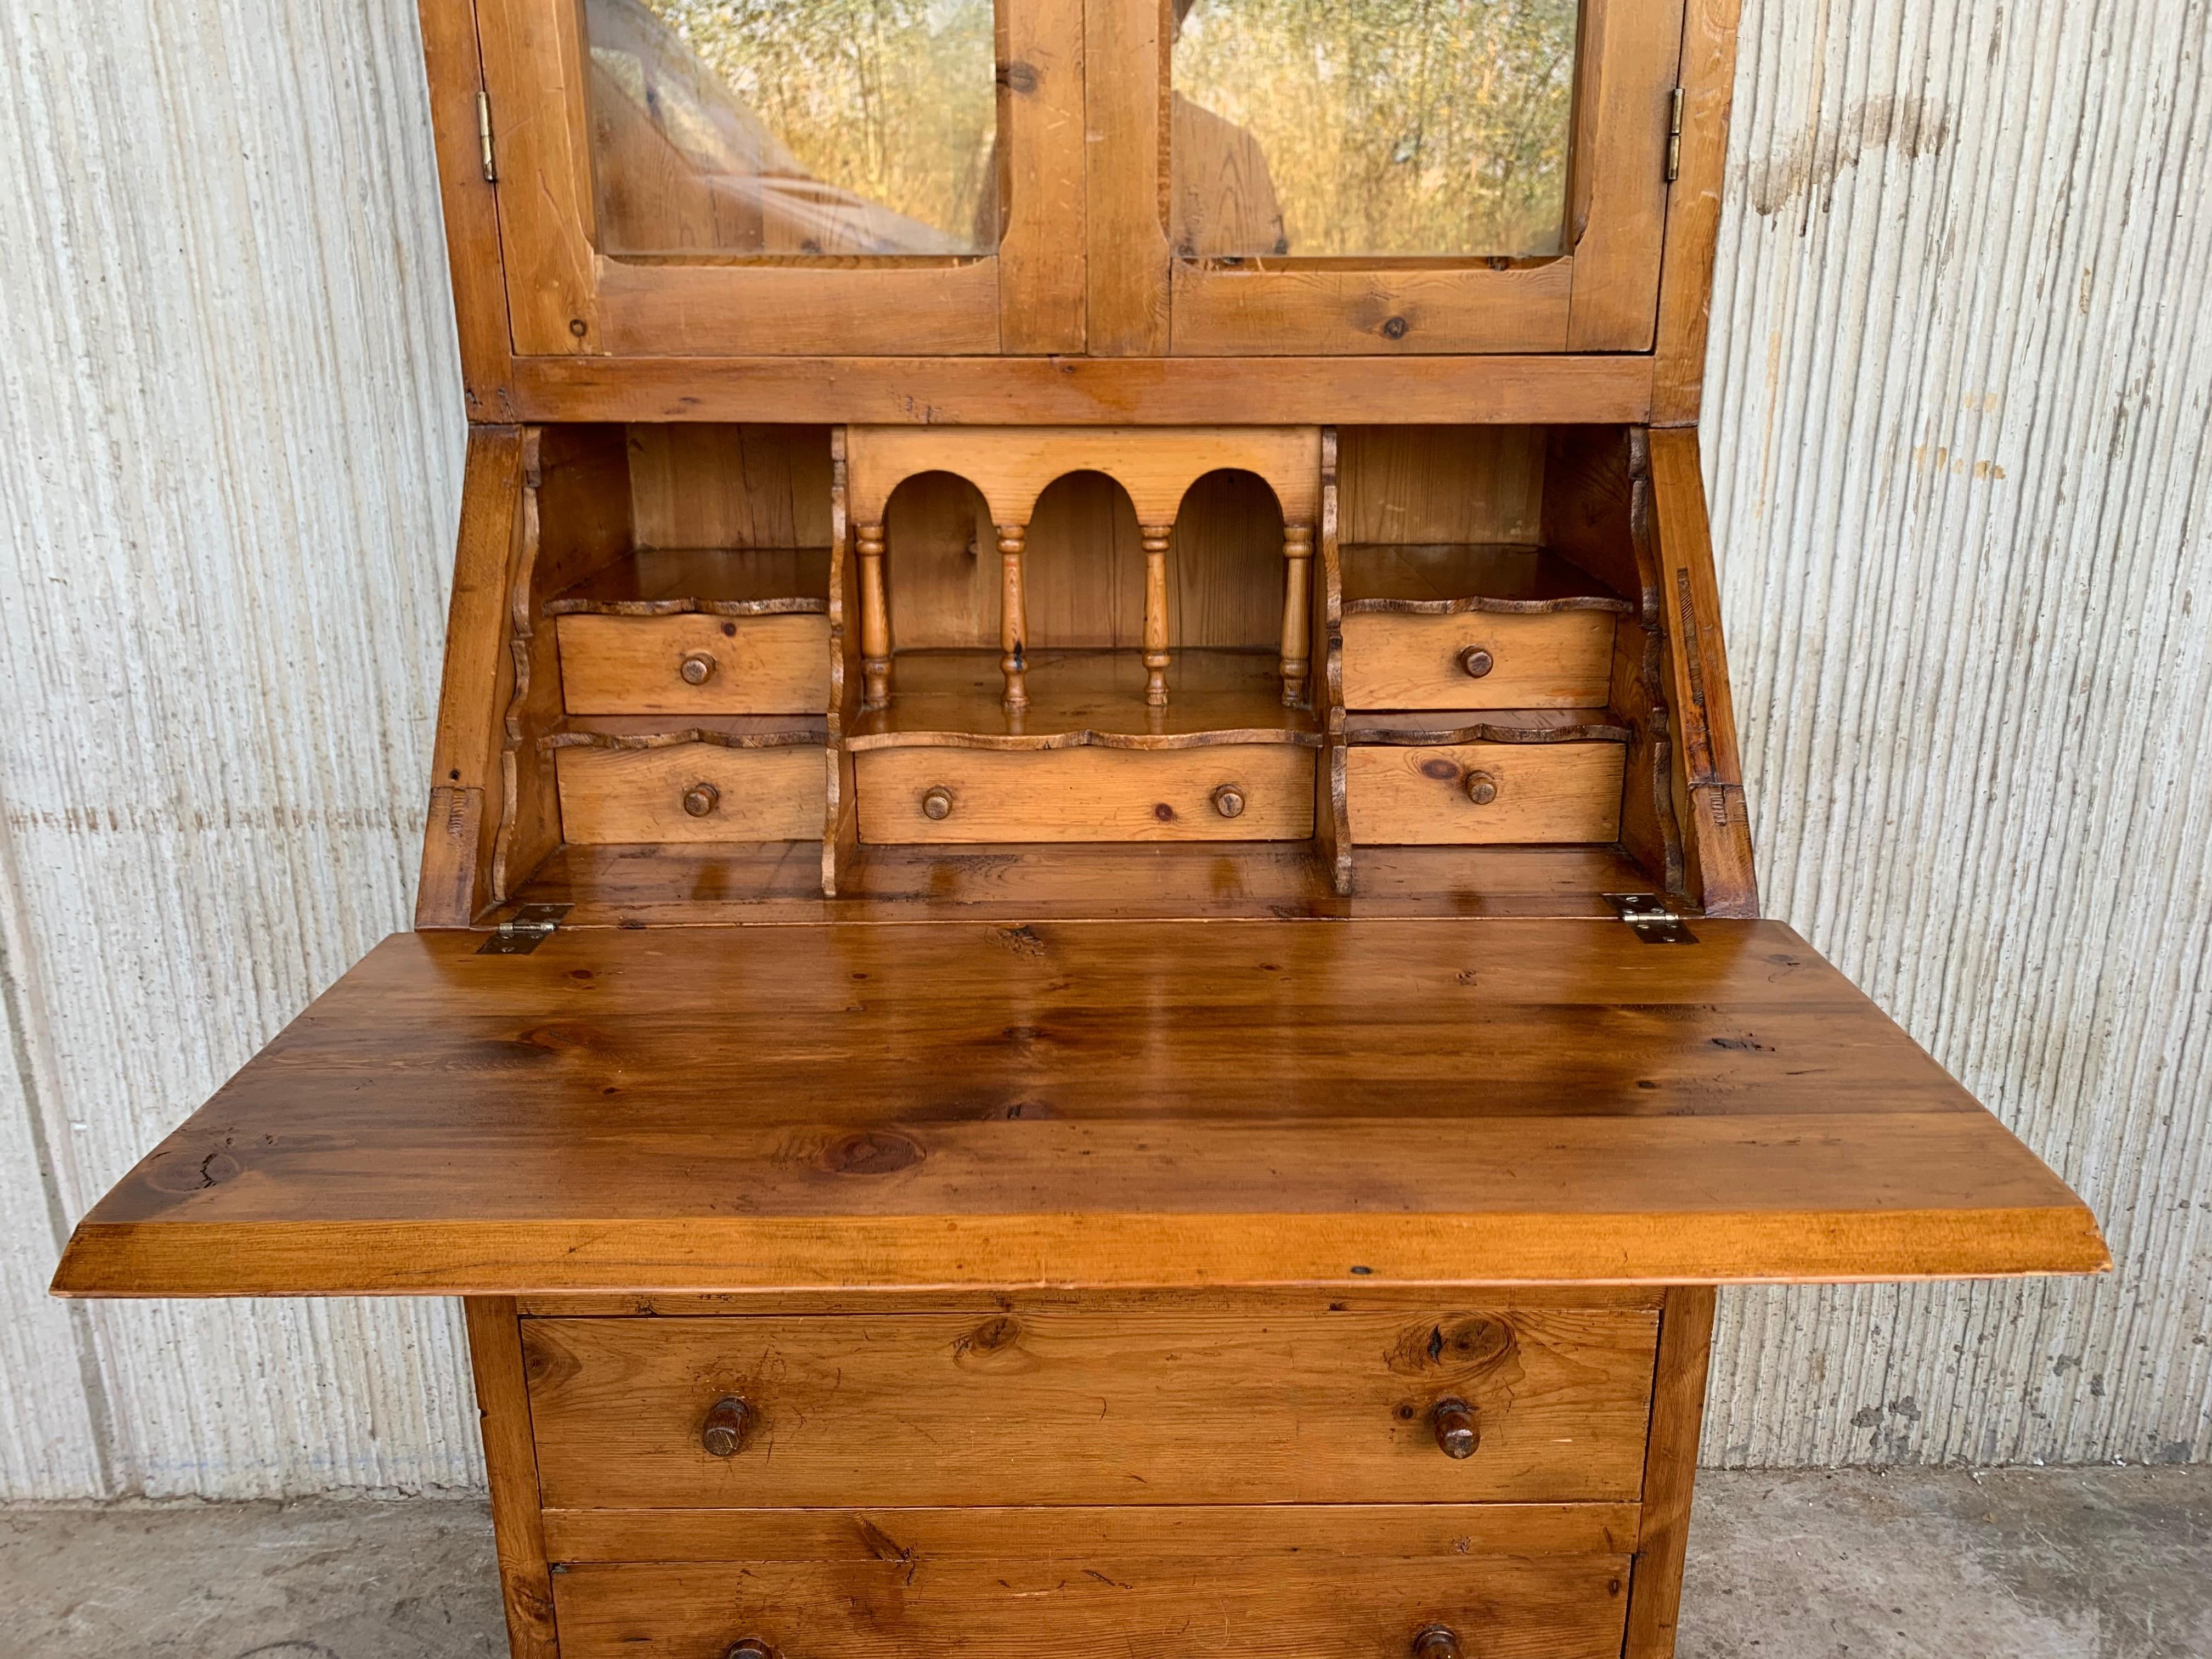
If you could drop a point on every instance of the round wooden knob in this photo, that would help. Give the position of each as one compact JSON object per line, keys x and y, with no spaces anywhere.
{"x":1477,"y":662}
{"x":1437,"y":1642}
{"x":937,"y":804}
{"x":701,"y":798}
{"x":1482,"y":788}
{"x":1457,"y":1433}
{"x":751,"y":1648}
{"x":1228,"y":801}
{"x":698,"y":668}
{"x":729,"y":1419}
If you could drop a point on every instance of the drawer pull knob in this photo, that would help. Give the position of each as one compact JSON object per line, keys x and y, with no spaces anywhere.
{"x":701,"y":798}
{"x":729,"y":1419}
{"x":937,"y":804}
{"x":1482,"y":788}
{"x":1228,"y":801}
{"x":1457,"y":1432}
{"x":1437,"y":1642}
{"x":698,"y":668}
{"x":751,"y":1648}
{"x":1477,"y":662}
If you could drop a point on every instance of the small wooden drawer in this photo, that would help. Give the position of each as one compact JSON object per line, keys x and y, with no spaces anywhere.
{"x":691,"y":791}
{"x":1224,"y":792}
{"x":1073,"y":1406}
{"x":1478,"y":659}
{"x":1483,"y":794}
{"x":1094,"y":1601}
{"x":694,"y":665}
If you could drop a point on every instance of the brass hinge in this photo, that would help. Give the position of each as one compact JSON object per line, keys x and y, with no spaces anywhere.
{"x":1654,"y":920}
{"x":1673,"y":141}
{"x":491,"y":173}
{"x":530,"y":926}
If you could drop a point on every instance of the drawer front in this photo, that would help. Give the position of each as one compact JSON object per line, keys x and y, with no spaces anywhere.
{"x":1098,"y":1605}
{"x":1226,"y":792}
{"x":1068,"y":1406}
{"x":1552,"y":660}
{"x":1480,"y":794}
{"x":691,"y":791}
{"x":694,"y":665}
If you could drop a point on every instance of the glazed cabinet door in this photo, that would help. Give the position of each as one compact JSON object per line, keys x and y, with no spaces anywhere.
{"x":732,"y":177}
{"x":1377,"y":176}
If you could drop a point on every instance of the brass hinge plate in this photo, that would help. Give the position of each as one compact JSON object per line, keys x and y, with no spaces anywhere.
{"x":483,"y":136}
{"x":1674,"y":138}
{"x":1654,"y":920}
{"x":530,"y":926}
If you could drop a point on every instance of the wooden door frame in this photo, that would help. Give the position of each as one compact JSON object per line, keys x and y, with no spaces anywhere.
{"x":1602,"y":294}
{"x":566,"y":298}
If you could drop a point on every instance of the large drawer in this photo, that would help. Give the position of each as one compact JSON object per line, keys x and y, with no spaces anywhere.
{"x":694,"y":665}
{"x":1220,"y":792}
{"x":1478,"y":659}
{"x":1478,"y":794}
{"x":1075,"y":1407}
{"x":691,"y":791}
{"x":1096,"y":1603}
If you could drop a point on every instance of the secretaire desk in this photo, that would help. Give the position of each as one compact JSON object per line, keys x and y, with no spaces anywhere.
{"x":1088,"y":977}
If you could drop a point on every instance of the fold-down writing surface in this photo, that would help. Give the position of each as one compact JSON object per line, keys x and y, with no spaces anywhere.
{"x":1084,"y":1103}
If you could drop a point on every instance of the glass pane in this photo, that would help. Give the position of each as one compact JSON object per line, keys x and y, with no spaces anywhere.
{"x":794,"y":127}
{"x":1372,"y":126}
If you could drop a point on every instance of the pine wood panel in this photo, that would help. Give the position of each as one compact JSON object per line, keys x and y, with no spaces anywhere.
{"x":1124,"y":173}
{"x":635,"y":665}
{"x":1437,"y":483}
{"x":1350,"y":1532}
{"x":1239,"y":310}
{"x":697,"y":483}
{"x":510,"y":1463}
{"x":1630,"y":51}
{"x":1557,"y":792}
{"x":1087,"y":794}
{"x":1078,"y":1406}
{"x":1670,"y":1470}
{"x":438,"y":1121}
{"x":1559,"y":659}
{"x":1098,"y":1605}
{"x":613,"y":795}
{"x":1693,"y":212}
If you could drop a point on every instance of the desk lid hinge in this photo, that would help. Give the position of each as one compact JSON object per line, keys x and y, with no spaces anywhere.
{"x":1654,"y":921}
{"x":530,"y":926}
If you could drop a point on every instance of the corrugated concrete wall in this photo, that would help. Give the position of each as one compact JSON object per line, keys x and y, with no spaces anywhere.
{"x":1956,"y":439}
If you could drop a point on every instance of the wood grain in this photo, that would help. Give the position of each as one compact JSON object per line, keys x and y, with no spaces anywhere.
{"x":730,"y":484}
{"x":1694,"y":212}
{"x":1086,"y":794}
{"x":707,"y":582}
{"x":1442,"y":484}
{"x":1565,"y":792}
{"x":1708,"y":776}
{"x":459,"y":830}
{"x":1631,"y":49}
{"x":1154,"y":1531}
{"x":1093,"y":1604}
{"x":1449,"y":578}
{"x":453,"y":61}
{"x":1042,"y":278}
{"x":511,"y":1470}
{"x":1125,"y":175}
{"x":1083,"y":1407}
{"x":1670,"y":1470}
{"x":638,"y":795}
{"x":438,"y":1121}
{"x":1099,"y":389}
{"x":1264,"y":308}
{"x":755,"y":664}
{"x":1540,"y":660}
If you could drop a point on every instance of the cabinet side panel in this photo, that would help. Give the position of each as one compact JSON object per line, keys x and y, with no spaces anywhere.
{"x":525,"y":1584}
{"x":1693,"y":213}
{"x":472,"y":251}
{"x":465,"y":783}
{"x":1670,"y":1467}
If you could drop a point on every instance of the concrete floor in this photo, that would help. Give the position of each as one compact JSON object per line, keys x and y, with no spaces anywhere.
{"x":2074,"y":1563}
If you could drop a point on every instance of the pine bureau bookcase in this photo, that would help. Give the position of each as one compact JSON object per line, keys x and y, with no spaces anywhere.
{"x":1087,"y":977}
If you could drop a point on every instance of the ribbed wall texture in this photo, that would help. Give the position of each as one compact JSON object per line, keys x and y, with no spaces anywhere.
{"x":1956,"y":438}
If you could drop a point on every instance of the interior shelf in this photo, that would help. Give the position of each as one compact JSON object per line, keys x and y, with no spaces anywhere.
{"x":662,"y":731}
{"x":952,"y":699}
{"x":1423,"y":727}
{"x":718,"y":581}
{"x":1435,"y":579}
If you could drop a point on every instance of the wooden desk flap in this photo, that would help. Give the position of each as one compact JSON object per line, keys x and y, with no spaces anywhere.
{"x":1182,"y":1104}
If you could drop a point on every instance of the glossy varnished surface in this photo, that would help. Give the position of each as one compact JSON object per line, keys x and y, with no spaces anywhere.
{"x":1133,"y":1103}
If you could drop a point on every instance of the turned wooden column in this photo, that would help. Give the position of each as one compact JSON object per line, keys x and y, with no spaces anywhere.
{"x":875,"y":617}
{"x":1298,"y":594}
{"x":1156,"y":612}
{"x":1014,"y":621}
